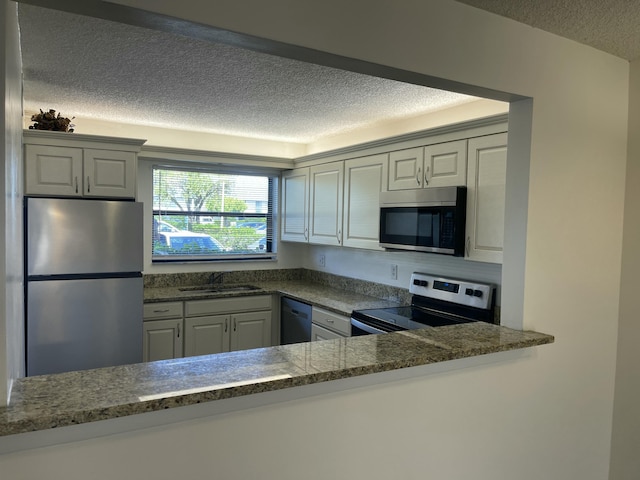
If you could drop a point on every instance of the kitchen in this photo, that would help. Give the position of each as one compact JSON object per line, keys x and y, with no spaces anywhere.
{"x":505,"y":373}
{"x":149,"y":156}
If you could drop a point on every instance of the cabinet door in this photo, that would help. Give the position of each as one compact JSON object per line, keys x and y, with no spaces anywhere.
{"x":109,"y":173}
{"x":295,"y":205}
{"x":325,"y":209}
{"x":250,"y":330}
{"x":486,"y":197}
{"x":206,"y":335}
{"x":406,"y":169}
{"x":162,"y":339}
{"x":321,"y":333}
{"x":445,"y":164}
{"x":55,"y":171}
{"x":364,"y":179}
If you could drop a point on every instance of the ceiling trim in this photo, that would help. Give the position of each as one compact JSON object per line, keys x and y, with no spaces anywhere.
{"x":150,"y":152}
{"x":478,"y":127}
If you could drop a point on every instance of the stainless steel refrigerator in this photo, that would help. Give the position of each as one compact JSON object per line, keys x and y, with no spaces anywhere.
{"x":83,"y":295}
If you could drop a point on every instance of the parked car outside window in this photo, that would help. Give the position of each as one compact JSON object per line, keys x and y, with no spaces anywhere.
{"x":259,"y":246}
{"x":189,"y":242}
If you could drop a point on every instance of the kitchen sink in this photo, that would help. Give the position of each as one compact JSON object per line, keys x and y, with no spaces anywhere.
{"x":219,"y":288}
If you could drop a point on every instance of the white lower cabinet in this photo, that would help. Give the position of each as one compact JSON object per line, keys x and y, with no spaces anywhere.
{"x":321,"y":333}
{"x":326,"y":325}
{"x":162,"y":331}
{"x":204,"y":327}
{"x":206,"y":335}
{"x":226,"y":324}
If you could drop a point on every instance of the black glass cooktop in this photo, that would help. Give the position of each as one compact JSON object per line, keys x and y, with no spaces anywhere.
{"x":405,"y":318}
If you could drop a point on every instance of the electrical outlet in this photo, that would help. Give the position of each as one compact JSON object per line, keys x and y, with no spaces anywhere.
{"x":322,"y":261}
{"x":394,"y":272}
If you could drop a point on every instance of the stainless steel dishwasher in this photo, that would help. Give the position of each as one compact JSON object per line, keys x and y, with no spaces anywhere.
{"x":295,"y":321}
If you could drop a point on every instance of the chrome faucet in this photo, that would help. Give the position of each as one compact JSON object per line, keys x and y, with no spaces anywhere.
{"x":216,"y":278}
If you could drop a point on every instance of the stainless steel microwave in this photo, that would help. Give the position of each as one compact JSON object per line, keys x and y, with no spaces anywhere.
{"x":425,"y":219}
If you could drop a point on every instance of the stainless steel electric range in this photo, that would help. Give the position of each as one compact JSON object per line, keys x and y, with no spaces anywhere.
{"x":436,"y":301}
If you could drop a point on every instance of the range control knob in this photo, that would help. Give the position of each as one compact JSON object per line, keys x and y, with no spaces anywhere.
{"x":469,"y":291}
{"x":416,"y":281}
{"x":477,"y":293}
{"x":424,"y":283}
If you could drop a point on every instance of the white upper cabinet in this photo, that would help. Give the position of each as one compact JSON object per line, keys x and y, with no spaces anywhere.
{"x":438,"y":165}
{"x":109,"y":173}
{"x":364,"y":179}
{"x":71,"y":165}
{"x":325,"y":205}
{"x":338,"y":202}
{"x":53,"y":171}
{"x":486,"y":197}
{"x":295,"y":205}
{"x":445,"y":164}
{"x":406,"y":168}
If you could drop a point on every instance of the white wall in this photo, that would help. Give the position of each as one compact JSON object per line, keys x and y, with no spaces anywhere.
{"x":625,"y":461}
{"x":11,"y":267}
{"x":547,"y":415}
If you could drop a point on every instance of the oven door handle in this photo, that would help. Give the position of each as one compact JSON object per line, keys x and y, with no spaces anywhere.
{"x":365,"y":327}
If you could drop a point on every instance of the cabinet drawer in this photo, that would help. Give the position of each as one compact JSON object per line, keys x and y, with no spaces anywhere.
{"x":162,"y":310}
{"x":332,"y":321}
{"x":218,"y":306}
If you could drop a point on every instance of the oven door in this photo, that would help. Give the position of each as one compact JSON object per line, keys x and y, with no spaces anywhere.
{"x":363,"y":327}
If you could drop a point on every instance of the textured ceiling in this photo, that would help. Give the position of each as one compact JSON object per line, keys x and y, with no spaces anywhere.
{"x":111,"y":71}
{"x":612,"y":26}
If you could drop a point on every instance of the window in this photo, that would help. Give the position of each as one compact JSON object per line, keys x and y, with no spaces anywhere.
{"x":203,"y":214}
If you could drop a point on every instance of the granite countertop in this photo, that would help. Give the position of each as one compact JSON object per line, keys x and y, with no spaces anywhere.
{"x":51,"y":401}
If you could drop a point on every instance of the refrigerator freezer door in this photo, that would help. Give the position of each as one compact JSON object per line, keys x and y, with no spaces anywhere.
{"x":83,"y":236}
{"x":82,"y":324}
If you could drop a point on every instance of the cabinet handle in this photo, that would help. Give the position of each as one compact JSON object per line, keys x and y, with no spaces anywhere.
{"x":76,"y":178}
{"x":306,"y":234}
{"x":226,"y":325}
{"x":418,"y":176}
{"x":426,"y":176}
{"x":329,"y":320}
{"x":161,"y":311}
{"x":235,"y":324}
{"x":88,"y":185}
{"x":467,"y":247}
{"x":339,"y":236}
{"x":178,"y":330}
